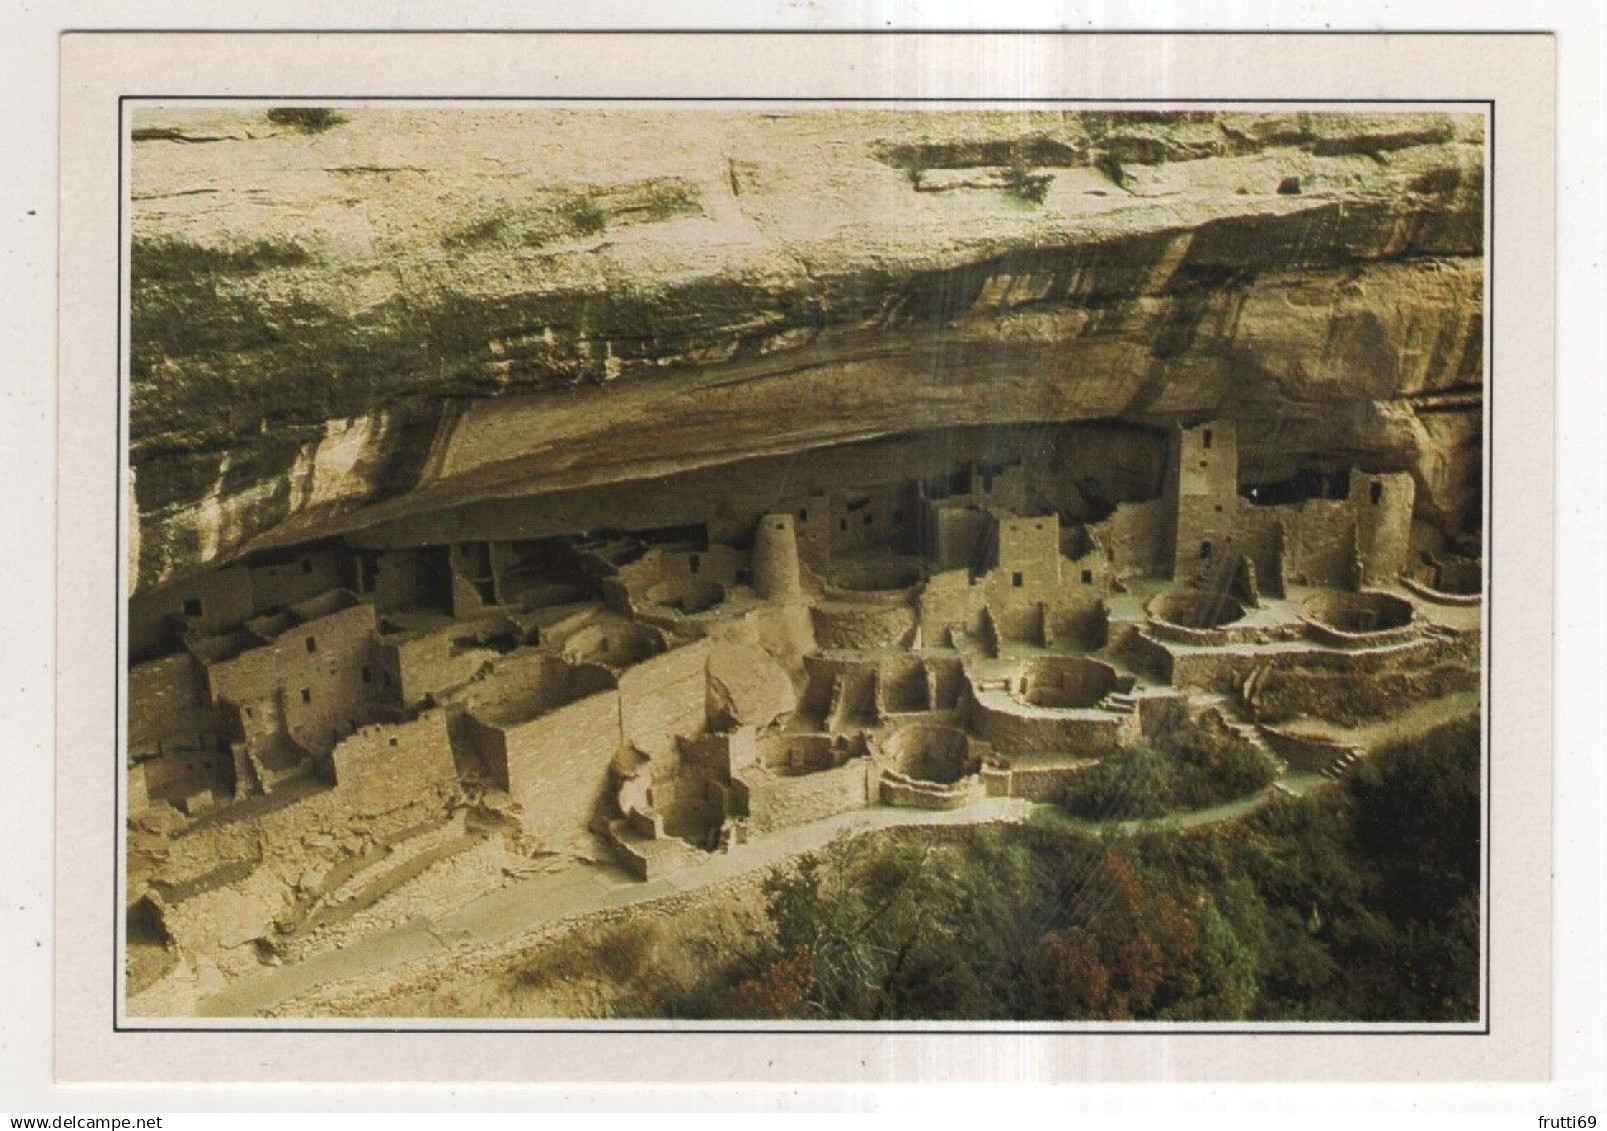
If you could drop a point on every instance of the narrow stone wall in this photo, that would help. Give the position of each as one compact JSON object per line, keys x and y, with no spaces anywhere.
{"x":1015,"y":731}
{"x":778,"y":802}
{"x":386,"y":766}
{"x":665,"y":697}
{"x":557,"y":764}
{"x":167,"y":697}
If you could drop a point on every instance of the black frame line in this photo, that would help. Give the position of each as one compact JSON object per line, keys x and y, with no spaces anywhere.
{"x":671,"y":1028}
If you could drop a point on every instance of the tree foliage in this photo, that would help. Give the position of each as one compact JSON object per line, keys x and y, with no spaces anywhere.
{"x":1353,"y":903}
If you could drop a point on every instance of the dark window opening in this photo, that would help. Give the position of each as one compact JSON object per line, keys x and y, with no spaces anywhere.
{"x":1377,"y":492}
{"x":1204,"y":463}
{"x":306,"y":695}
{"x":1205,"y":549}
{"x":312,"y":644}
{"x":987,"y":479}
{"x":1018,"y":580}
{"x":869,"y":518}
{"x":694,"y":561}
{"x":385,"y":678}
{"x":842,"y":524}
{"x":1302,"y":485}
{"x":803,"y":515}
{"x":249,"y":715}
{"x":393,"y":742}
{"x":368,"y":675}
{"x":1087,"y":577}
{"x":1207,"y":438}
{"x":192,"y":606}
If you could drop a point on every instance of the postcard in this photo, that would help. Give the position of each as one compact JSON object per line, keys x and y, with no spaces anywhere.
{"x":778,"y":555}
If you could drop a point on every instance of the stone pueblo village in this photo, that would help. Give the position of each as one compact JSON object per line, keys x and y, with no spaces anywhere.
{"x":527,"y":544}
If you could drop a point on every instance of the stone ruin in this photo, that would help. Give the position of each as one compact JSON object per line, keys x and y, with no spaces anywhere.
{"x":305,"y":717}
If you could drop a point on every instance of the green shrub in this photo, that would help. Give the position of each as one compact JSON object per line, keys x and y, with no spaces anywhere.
{"x":1356,"y":903}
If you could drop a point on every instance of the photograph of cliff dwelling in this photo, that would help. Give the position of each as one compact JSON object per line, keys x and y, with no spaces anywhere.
{"x":805,"y":565}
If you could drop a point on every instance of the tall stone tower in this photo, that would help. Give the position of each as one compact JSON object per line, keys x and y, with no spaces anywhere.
{"x":1202,"y":495}
{"x":775,"y":558}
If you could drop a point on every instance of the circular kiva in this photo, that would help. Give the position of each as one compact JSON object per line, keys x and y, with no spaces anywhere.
{"x":1195,"y":609}
{"x":1358,"y":614}
{"x":1065,"y":682}
{"x":930,"y":752}
{"x":687,"y":595}
{"x":876,"y":577}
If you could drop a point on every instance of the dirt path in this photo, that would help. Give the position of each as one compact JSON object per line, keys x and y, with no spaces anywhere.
{"x":582,"y":890}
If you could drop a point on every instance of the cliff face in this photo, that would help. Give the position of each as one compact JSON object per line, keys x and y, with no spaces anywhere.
{"x":341,"y":320}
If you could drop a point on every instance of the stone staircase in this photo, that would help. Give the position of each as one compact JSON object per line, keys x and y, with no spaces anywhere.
{"x":1250,"y":732}
{"x":1119,"y":702}
{"x":1341,"y":766}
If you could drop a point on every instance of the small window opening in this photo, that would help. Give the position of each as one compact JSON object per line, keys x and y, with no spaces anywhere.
{"x":192,"y":606}
{"x":1087,"y":577}
{"x":842,"y":524}
{"x":393,"y":742}
{"x":1207,"y":438}
{"x":1018,"y":580}
{"x":1377,"y":492}
{"x":694,"y":561}
{"x":803,"y":515}
{"x":368,"y":675}
{"x":312,"y":644}
{"x":1204,"y":463}
{"x":1205,"y":549}
{"x":306,"y":695}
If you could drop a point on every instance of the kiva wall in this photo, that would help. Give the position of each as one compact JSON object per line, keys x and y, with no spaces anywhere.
{"x":776,"y":802}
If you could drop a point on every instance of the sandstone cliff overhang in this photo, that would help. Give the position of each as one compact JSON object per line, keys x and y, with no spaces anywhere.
{"x":369,"y":316}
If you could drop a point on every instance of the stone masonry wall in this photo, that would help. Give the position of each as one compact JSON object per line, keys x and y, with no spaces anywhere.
{"x":665,"y":697}
{"x":386,"y":766}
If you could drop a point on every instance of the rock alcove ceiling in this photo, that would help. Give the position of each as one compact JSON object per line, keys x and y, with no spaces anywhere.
{"x":363,"y":318}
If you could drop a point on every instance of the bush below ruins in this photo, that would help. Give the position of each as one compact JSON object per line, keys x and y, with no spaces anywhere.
{"x":1354,"y":903}
{"x":1353,"y":699}
{"x":1189,"y":769}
